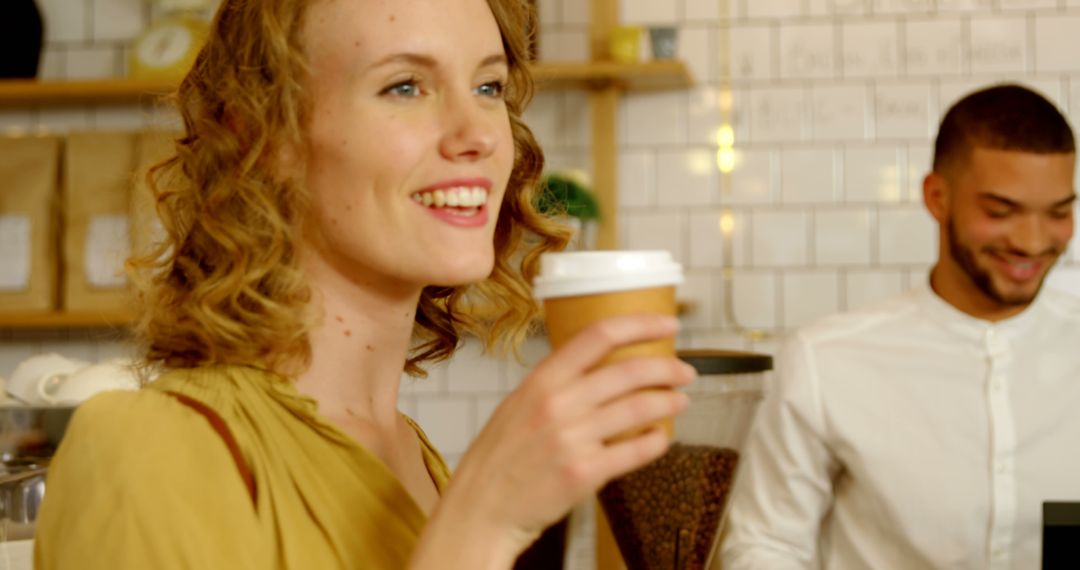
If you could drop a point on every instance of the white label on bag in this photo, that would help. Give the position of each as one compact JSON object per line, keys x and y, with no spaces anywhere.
{"x":14,"y":252}
{"x":108,"y":244}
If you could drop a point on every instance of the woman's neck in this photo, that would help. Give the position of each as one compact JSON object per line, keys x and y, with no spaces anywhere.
{"x":359,"y":346}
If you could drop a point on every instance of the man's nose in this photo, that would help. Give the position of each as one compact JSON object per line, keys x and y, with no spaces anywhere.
{"x":1032,"y":235}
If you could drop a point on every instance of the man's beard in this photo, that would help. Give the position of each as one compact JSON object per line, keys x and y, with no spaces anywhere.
{"x":965,"y":258}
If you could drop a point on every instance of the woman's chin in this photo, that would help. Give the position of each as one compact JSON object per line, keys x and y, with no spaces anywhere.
{"x":458,"y":274}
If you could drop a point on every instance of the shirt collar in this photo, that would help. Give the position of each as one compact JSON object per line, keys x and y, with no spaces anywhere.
{"x":972,"y":328}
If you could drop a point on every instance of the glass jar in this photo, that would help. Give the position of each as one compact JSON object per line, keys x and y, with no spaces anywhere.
{"x":669,"y":513}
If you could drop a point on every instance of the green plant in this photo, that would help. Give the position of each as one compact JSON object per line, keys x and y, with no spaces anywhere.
{"x":563,"y":193}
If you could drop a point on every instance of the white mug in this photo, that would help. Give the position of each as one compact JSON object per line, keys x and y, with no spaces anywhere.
{"x":29,"y":374}
{"x":77,"y":386}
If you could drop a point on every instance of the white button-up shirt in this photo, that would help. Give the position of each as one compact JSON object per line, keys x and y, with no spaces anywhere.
{"x":912,"y":435}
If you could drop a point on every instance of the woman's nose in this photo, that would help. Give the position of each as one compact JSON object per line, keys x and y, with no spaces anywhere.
{"x":469,"y":129}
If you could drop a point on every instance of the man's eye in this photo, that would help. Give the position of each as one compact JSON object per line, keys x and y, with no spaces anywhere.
{"x":998,"y":214}
{"x":1061,"y":214}
{"x":403,"y":89}
{"x":492,"y":89}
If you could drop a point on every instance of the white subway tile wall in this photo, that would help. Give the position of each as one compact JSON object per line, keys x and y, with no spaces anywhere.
{"x":751,"y":52}
{"x":779,"y":238}
{"x":777,"y":114}
{"x":840,"y":112}
{"x":655,"y":230}
{"x":809,"y":295}
{"x":647,"y":12}
{"x":842,"y":237}
{"x":807,"y":175}
{"x":864,"y":287}
{"x":701,"y":291}
{"x":654,"y":119}
{"x":574,"y":12}
{"x":834,"y":105}
{"x":827,"y":106}
{"x":687,"y":177}
{"x":637,"y":178}
{"x":704,"y":112}
{"x":755,"y":299}
{"x":754,"y":179}
{"x":934,"y":47}
{"x":872,"y":174}
{"x":697,"y":48}
{"x":870,"y":49}
{"x":564,"y":45}
{"x":449,"y":421}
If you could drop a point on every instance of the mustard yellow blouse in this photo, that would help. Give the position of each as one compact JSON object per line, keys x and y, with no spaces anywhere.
{"x":142,"y":481}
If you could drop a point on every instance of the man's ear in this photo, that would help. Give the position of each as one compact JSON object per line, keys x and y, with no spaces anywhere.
{"x":936,"y":196}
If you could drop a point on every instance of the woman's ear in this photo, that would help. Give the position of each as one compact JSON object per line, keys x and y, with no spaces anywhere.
{"x":936,"y":194}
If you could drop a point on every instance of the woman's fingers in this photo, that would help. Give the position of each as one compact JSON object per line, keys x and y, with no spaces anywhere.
{"x":619,"y":378}
{"x":627,"y":415}
{"x":597,"y":340}
{"x":555,"y":435}
{"x":616,"y":380}
{"x":575,"y":446}
{"x":617,"y":458}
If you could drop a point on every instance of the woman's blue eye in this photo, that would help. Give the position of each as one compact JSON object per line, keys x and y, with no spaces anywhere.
{"x":404,"y":89}
{"x":491,"y":89}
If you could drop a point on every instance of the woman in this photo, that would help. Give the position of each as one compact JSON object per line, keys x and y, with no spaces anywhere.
{"x":314,"y":251}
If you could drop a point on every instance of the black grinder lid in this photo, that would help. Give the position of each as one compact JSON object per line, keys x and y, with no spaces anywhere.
{"x":708,"y":362}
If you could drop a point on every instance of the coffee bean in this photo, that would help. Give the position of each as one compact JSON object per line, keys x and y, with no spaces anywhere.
{"x":665,"y":515}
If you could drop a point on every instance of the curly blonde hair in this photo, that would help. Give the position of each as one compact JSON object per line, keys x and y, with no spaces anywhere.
{"x":225,"y":286}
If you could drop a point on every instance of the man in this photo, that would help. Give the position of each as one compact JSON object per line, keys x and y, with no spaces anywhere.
{"x":926,"y":432}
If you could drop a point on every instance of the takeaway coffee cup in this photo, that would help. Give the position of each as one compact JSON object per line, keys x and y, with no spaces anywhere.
{"x":580,"y":288}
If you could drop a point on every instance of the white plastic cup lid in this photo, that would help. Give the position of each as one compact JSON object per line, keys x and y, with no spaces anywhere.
{"x":589,"y":272}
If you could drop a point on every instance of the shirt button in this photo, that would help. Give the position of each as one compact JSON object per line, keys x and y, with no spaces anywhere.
{"x":996,"y":384}
{"x":999,"y":552}
{"x":1000,"y":467}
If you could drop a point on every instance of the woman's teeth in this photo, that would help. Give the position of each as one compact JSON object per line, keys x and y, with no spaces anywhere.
{"x":452,"y":198}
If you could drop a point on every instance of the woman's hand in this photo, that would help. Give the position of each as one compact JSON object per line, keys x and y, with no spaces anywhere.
{"x":549,"y":444}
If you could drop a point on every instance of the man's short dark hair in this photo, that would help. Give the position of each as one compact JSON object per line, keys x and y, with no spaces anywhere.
{"x":1002,"y":117}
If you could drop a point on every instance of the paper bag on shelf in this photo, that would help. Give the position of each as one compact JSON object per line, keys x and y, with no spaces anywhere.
{"x":97,"y":238}
{"x":29,"y":174}
{"x":151,"y":148}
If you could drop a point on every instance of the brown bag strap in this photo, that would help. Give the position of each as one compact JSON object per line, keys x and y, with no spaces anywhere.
{"x":222,"y":430}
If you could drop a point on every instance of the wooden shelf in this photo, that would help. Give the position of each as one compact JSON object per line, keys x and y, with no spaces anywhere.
{"x":595,"y":75}
{"x":28,"y":93}
{"x":653,"y":75}
{"x":118,"y":320}
{"x":61,"y":320}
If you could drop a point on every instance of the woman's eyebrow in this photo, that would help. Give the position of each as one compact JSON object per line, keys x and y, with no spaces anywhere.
{"x":494,"y":59}
{"x":424,"y":60}
{"x":404,"y":57}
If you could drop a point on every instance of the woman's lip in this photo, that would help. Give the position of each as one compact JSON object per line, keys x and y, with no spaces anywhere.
{"x":484,"y":183}
{"x":447,"y":215}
